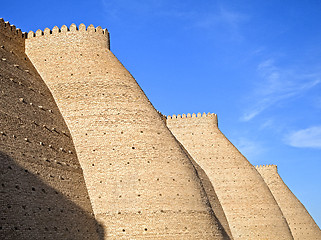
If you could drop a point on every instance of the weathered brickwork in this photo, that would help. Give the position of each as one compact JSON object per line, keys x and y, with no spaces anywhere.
{"x":248,"y":204}
{"x":147,"y":176}
{"x":140,"y":181}
{"x":300,"y":222}
{"x":43,"y":192}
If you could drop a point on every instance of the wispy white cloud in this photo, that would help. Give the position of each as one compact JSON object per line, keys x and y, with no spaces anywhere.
{"x":305,"y":138}
{"x":221,"y":17}
{"x":277,"y":85}
{"x":249,"y":148}
{"x":224,"y":20}
{"x":218,"y":19}
{"x":115,"y":8}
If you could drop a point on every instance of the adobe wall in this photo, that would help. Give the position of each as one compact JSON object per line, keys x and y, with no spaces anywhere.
{"x":250,"y":209}
{"x":141,"y":183}
{"x":43,"y":193}
{"x":210,"y":192}
{"x":300,"y":222}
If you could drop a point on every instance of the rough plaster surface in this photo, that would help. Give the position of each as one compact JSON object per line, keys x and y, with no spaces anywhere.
{"x":250,"y":209}
{"x":43,"y":192}
{"x":141,"y":183}
{"x":300,"y":222}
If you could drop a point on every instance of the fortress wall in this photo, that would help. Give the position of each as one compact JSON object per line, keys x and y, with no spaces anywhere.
{"x":248,"y":204}
{"x":141,"y":183}
{"x":43,"y":193}
{"x":11,"y":37}
{"x":210,"y":192}
{"x":300,"y":222}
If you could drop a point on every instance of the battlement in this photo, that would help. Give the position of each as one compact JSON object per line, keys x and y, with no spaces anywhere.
{"x":267,"y":167}
{"x":11,"y":38}
{"x":65,"y":29}
{"x":57,"y":33}
{"x":193,"y":117}
{"x":8,"y":29}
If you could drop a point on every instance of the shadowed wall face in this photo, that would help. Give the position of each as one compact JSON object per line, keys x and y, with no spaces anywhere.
{"x":141,"y":183}
{"x":43,"y":193}
{"x":300,"y":222}
{"x":248,"y":204}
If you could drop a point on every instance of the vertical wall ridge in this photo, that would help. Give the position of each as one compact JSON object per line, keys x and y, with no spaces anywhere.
{"x":141,"y":183}
{"x":300,"y":222}
{"x":247,"y":202}
{"x":43,"y":192}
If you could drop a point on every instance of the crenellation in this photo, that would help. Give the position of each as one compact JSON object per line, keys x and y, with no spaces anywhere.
{"x":77,"y":148}
{"x":299,"y":220}
{"x":39,"y":33}
{"x":209,"y":117}
{"x":12,"y":30}
{"x":248,"y":204}
{"x":64,"y":29}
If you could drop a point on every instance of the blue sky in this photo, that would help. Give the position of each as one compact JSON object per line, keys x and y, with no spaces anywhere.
{"x":257,"y":64}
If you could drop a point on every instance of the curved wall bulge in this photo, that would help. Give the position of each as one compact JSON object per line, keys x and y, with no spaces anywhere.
{"x":141,"y":183}
{"x":248,"y":204}
{"x":43,"y":193}
{"x":300,"y":222}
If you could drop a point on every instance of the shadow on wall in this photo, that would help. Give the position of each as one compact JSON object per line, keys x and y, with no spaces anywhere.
{"x":30,"y":209}
{"x":212,"y":197}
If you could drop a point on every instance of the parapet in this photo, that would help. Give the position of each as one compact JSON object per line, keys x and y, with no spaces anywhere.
{"x":16,"y":36}
{"x":212,"y":117}
{"x":97,"y":33}
{"x":270,"y":167}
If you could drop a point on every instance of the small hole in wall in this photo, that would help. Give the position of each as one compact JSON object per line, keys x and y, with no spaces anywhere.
{"x":71,"y":74}
{"x":133,"y":147}
{"x":93,"y":164}
{"x":121,"y":132}
{"x":145,"y":229}
{"x":123,"y":230}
